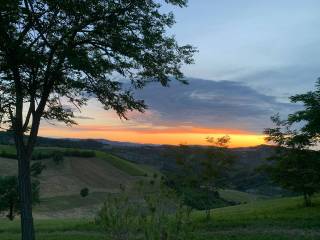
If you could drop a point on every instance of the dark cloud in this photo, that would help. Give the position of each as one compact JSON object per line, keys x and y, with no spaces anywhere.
{"x":214,"y":104}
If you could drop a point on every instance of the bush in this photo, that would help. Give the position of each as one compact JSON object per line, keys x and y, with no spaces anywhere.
{"x":77,"y":153}
{"x":84,"y":192}
{"x":37,"y":168}
{"x":200,"y":199}
{"x":9,"y":195}
{"x":58,"y":157}
{"x":6,"y":154}
{"x":152,"y":182}
{"x":148,"y":217}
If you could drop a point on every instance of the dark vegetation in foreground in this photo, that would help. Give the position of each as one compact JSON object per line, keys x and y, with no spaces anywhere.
{"x":280,"y":219}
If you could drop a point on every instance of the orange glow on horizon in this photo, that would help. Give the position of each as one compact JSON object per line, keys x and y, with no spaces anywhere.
{"x":172,"y":136}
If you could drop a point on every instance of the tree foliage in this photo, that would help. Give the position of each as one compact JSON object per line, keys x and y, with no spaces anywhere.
{"x":9,"y":195}
{"x":153,"y":213}
{"x":296,"y":164}
{"x":84,"y":192}
{"x":58,"y":157}
{"x":54,"y":52}
{"x":55,"y":55}
{"x":202,"y":172}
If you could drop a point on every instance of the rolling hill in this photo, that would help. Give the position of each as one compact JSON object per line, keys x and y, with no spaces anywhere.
{"x":60,"y":184}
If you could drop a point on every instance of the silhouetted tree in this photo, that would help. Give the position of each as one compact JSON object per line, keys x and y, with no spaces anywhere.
{"x":9,"y":195}
{"x":201,"y":173}
{"x":296,"y":166}
{"x":58,"y":157}
{"x":84,"y":192}
{"x":54,"y":55}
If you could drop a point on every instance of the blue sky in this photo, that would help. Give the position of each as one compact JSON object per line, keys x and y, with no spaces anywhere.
{"x":252,"y":56}
{"x":272,"y":46}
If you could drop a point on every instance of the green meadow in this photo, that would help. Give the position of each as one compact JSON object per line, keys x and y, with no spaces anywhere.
{"x":64,"y":214}
{"x":280,"y":219}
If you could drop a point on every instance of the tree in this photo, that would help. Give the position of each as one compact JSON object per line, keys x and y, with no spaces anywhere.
{"x":84,"y":192}
{"x":9,"y":195}
{"x":201,"y":173}
{"x":57,"y":157}
{"x":55,"y":55}
{"x":296,"y":166}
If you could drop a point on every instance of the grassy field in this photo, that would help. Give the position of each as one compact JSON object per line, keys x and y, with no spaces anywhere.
{"x":282,"y":219}
{"x":62,"y":208}
{"x":126,"y":166}
{"x":60,"y":184}
{"x":277,"y":219}
{"x":240,"y":197}
{"x":123,"y":165}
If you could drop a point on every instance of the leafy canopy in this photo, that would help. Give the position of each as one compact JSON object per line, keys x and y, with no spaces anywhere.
{"x":201,"y":172}
{"x":296,"y":164}
{"x":55,"y":55}
{"x":9,"y":195}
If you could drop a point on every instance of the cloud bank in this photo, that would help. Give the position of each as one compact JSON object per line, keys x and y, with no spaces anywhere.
{"x":211,"y":104}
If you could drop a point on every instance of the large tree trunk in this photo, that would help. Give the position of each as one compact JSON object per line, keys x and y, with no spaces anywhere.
{"x":25,"y":193}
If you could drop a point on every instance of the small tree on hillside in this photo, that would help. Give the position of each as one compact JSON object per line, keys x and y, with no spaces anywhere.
{"x":201,"y":173}
{"x":84,"y":192}
{"x":55,"y":54}
{"x":295,"y":165}
{"x":58,"y":157}
{"x":37,"y":168}
{"x":9,"y":198}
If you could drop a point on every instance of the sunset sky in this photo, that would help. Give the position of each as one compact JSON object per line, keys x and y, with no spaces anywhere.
{"x":252,"y":56}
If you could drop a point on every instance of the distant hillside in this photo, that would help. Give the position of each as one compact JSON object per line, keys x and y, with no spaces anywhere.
{"x":7,"y":138}
{"x":244,"y":177}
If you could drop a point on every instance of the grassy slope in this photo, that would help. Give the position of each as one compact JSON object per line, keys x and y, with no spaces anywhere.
{"x":278,"y":219}
{"x":281,"y":219}
{"x":124,"y":165}
{"x":61,"y":184}
{"x":239,"y":197}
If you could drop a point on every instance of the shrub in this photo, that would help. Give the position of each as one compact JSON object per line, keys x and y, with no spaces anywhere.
{"x":9,"y":195}
{"x":78,"y":153}
{"x":147,"y":218}
{"x":58,"y":157}
{"x":6,"y":154}
{"x":84,"y":192}
{"x":37,"y":168}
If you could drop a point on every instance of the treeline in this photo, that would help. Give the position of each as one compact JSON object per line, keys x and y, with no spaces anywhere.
{"x":39,"y":155}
